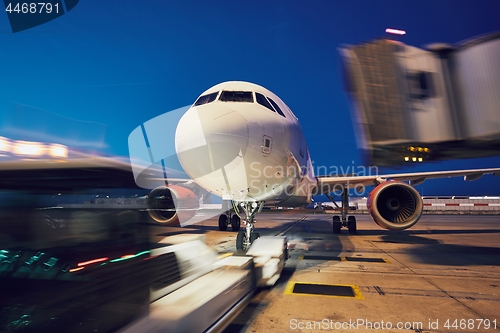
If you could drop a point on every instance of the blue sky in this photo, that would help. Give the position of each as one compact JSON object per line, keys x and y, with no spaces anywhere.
{"x":94,"y":74}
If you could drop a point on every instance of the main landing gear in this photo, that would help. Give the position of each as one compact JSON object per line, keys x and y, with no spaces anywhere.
{"x":245,"y":237}
{"x":349,"y":222}
{"x":229,"y":219}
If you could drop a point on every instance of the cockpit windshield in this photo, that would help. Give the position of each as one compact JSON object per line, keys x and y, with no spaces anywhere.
{"x":205,"y":99}
{"x":276,"y":107}
{"x":262,"y":100}
{"x":236,"y":96}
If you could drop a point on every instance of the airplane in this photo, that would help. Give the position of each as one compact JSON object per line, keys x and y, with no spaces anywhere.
{"x":242,"y":143}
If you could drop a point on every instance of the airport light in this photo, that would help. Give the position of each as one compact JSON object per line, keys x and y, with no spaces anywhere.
{"x":407,"y":158}
{"x":56,"y":150}
{"x":28,"y":148}
{"x":395,"y":31}
{"x":4,"y":144}
{"x":414,"y":159}
{"x":420,"y":159}
{"x":32,"y":148}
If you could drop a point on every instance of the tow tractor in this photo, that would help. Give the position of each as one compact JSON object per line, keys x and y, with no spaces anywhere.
{"x":194,"y":290}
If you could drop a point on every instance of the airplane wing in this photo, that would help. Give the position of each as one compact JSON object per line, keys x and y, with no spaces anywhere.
{"x":330,"y":184}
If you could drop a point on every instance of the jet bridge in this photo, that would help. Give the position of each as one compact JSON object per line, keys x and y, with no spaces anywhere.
{"x":412,"y":105}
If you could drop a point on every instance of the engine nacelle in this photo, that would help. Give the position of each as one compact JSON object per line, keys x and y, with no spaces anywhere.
{"x":172,"y":204}
{"x":395,"y":205}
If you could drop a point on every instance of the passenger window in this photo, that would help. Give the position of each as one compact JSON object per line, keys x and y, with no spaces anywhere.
{"x":262,"y":100}
{"x":205,"y":99}
{"x":277,"y":107}
{"x":236,"y":96}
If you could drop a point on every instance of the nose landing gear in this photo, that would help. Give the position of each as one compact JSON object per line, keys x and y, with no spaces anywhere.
{"x":246,"y":237}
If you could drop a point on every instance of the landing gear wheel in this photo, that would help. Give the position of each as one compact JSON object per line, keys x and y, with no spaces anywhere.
{"x":254,"y":236}
{"x":245,"y":237}
{"x":235,"y":222}
{"x":223,"y":222}
{"x":241,"y":241}
{"x":351,"y":225}
{"x":337,"y":225}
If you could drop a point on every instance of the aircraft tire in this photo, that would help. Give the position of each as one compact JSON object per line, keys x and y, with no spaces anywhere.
{"x":223,"y":222}
{"x":337,"y":225}
{"x":351,"y":225}
{"x":235,"y":222}
{"x":240,"y":240}
{"x":254,"y":236}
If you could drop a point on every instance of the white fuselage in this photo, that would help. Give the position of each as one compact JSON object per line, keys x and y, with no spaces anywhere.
{"x":241,"y":142}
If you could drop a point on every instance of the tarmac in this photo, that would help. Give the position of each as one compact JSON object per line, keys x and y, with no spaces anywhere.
{"x":441,"y":275}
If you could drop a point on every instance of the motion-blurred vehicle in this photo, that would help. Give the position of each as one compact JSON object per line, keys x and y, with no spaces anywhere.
{"x":76,"y":256}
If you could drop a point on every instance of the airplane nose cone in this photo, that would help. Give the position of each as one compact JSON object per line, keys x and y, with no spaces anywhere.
{"x":209,"y":138}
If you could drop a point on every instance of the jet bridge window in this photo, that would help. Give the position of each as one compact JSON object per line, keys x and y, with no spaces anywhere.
{"x":205,"y":99}
{"x":236,"y":96}
{"x":277,"y":107}
{"x":262,"y":100}
{"x":421,"y":85}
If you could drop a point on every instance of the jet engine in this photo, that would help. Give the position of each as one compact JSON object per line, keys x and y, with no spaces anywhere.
{"x":395,"y":205}
{"x":172,"y":204}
